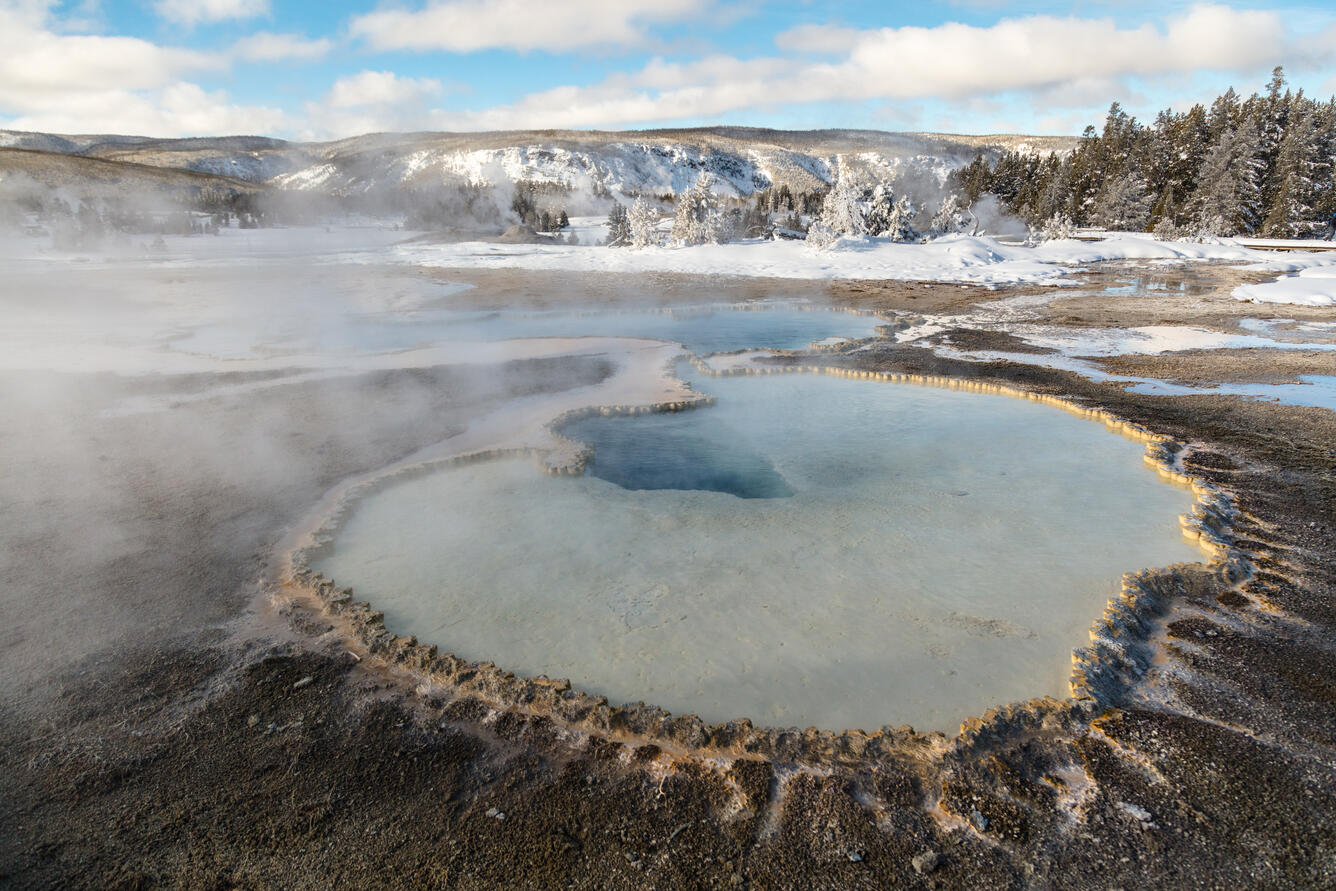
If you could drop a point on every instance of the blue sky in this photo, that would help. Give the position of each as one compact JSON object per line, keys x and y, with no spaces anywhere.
{"x":342,"y":67}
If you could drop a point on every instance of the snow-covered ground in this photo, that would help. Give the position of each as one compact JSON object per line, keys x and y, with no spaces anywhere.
{"x":1308,"y":277}
{"x":958,"y":258}
{"x":1312,"y":286}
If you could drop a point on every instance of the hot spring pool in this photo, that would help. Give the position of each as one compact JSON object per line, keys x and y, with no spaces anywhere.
{"x":812,"y":551}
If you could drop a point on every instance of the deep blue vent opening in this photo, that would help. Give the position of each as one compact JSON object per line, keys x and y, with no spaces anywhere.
{"x":689,"y":451}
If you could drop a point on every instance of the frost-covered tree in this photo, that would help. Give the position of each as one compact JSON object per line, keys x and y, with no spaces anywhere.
{"x":1167,"y":230}
{"x":880,"y":207}
{"x":821,"y":236}
{"x":1055,"y":228}
{"x":619,"y":229}
{"x":951,"y":217}
{"x":642,"y":219}
{"x":900,"y":221}
{"x":1228,"y":195}
{"x":699,"y":219}
{"x":1123,"y":204}
{"x":1301,"y":169}
{"x":1233,"y":166}
{"x":845,"y":208}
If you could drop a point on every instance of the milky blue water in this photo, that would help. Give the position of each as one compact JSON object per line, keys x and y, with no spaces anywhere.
{"x":704,"y":329}
{"x":811,"y":551}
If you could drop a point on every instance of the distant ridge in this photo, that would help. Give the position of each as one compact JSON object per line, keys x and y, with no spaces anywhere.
{"x":596,"y":164}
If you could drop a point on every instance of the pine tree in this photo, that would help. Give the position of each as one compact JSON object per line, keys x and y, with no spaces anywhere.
{"x":845,"y":207}
{"x":1299,"y":172}
{"x":1055,"y":228}
{"x":1228,"y":195}
{"x":900,"y":223}
{"x":619,"y":230}
{"x":878,"y":210}
{"x":699,"y":219}
{"x":975,"y":178}
{"x":1054,"y":196}
{"x":951,"y":217}
{"x":642,"y":219}
{"x":1226,"y":115}
{"x":1123,"y":204}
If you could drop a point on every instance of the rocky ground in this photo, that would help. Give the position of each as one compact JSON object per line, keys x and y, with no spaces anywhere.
{"x":167,"y":723}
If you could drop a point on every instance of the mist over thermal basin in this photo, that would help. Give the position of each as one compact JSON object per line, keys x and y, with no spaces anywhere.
{"x":875,"y":554}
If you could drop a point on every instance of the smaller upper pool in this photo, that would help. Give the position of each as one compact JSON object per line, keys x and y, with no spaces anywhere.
{"x":701,"y":329}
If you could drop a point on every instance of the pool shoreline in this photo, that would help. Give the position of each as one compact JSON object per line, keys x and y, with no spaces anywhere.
{"x":1118,"y":653}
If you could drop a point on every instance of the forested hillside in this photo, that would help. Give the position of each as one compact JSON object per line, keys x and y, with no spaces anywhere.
{"x":1256,"y":166}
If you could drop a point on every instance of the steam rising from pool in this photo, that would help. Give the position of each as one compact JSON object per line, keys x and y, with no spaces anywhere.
{"x":829,"y":552}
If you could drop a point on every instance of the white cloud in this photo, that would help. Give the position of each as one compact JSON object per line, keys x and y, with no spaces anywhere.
{"x":177,"y":109}
{"x":194,"y":12}
{"x":266,"y":47}
{"x":371,"y":88}
{"x":819,"y":39}
{"x":38,"y":65}
{"x":468,"y":25}
{"x":65,"y":83}
{"x":951,"y":61}
{"x":372,"y":102}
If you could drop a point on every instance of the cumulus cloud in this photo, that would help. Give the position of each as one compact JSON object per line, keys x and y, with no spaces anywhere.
{"x":379,"y":88}
{"x":195,"y":12}
{"x":266,"y":47}
{"x":819,"y":39}
{"x":38,"y":65}
{"x":468,"y":25}
{"x":67,"y":83}
{"x":951,"y":61}
{"x":372,"y":102}
{"x":180,"y":108}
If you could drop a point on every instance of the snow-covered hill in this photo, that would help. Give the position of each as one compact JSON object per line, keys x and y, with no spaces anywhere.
{"x":652,"y":163}
{"x":657,"y":162}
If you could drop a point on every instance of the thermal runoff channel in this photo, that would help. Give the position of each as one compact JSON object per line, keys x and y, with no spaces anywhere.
{"x":816,"y":552}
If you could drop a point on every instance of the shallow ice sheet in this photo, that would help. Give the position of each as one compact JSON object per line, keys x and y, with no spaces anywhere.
{"x":941,"y":552}
{"x":1318,"y":390}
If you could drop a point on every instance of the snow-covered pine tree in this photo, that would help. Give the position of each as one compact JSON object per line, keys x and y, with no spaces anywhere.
{"x":642,"y":219}
{"x":698,"y":219}
{"x":845,"y":207}
{"x":1055,"y":228}
{"x":975,"y":178}
{"x":951,"y":217}
{"x":619,"y":230}
{"x":710,"y":216}
{"x":1123,"y":204}
{"x":1326,"y":128}
{"x":821,"y":236}
{"x":1164,"y":214}
{"x":1272,"y":115}
{"x":1228,"y":193}
{"x":1299,"y":173}
{"x":900,"y":221}
{"x":1166,"y":229}
{"x":879,"y":207}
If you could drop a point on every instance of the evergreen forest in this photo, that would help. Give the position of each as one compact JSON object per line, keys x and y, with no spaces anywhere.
{"x":1256,"y":166}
